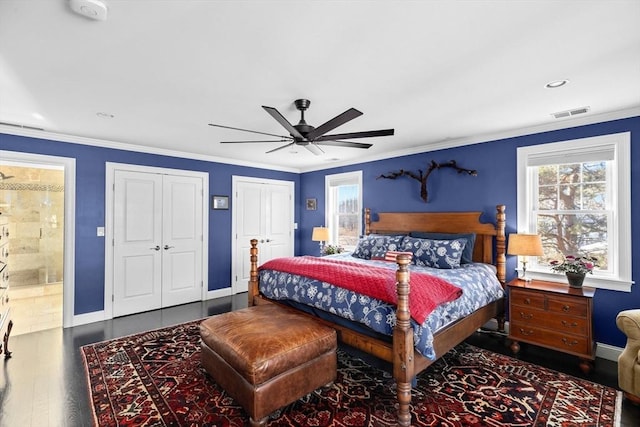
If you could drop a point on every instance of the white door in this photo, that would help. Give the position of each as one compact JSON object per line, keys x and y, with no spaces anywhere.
{"x":182,"y":240}
{"x":262,"y":210}
{"x":157,"y":241}
{"x":137,"y":278}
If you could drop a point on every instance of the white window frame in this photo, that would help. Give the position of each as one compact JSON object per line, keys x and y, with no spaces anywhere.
{"x":620,"y":250}
{"x":332,"y":181}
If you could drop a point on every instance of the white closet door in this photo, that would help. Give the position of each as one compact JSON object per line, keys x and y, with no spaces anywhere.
{"x":182,"y":240}
{"x":158,"y":241}
{"x":137,"y":238}
{"x":263,"y":210}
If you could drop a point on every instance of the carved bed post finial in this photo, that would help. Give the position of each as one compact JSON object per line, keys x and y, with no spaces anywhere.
{"x":403,"y":342}
{"x":253,"y":274}
{"x":367,"y":221}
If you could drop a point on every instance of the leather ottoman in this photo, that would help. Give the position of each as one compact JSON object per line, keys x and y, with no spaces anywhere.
{"x":267,"y":356}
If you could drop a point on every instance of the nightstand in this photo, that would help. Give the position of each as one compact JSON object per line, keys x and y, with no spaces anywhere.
{"x":554,"y":316}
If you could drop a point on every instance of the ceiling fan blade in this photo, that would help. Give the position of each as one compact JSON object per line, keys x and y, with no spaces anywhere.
{"x":314,"y":148}
{"x":338,"y":120}
{"x":247,"y":130}
{"x":344,"y":144}
{"x":365,"y":134}
{"x":284,"y":122}
{"x":250,"y":142}
{"x":280,"y":148}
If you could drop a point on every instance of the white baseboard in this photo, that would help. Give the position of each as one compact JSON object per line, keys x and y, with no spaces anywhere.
{"x":85,"y":318}
{"x":99,"y":316}
{"x":608,"y":352}
{"x":218,"y":293}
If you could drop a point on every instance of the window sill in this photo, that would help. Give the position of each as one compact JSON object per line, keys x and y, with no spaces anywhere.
{"x":590,"y":280}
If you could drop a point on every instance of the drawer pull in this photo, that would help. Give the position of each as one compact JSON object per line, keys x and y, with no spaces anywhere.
{"x":566,"y":308}
{"x":571,"y":325}
{"x":527,"y":301}
{"x":569,"y":343}
{"x":526,"y":333}
{"x":526,"y":315}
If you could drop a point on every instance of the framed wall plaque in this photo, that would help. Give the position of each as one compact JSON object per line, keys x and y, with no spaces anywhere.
{"x":219,"y":202}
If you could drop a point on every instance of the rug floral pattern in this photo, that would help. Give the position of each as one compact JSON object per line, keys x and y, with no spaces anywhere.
{"x":155,"y":379}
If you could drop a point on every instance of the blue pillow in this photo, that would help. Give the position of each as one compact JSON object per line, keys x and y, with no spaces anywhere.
{"x":376,"y":246}
{"x":467,"y":253}
{"x":435,"y":253}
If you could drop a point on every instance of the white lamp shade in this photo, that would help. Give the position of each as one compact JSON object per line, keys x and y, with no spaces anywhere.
{"x":320,"y":234}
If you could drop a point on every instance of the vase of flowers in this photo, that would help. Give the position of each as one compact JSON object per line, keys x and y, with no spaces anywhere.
{"x":332,"y":249}
{"x":575,"y":268}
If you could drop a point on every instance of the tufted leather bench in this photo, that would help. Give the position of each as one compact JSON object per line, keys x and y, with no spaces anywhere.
{"x":267,"y":356}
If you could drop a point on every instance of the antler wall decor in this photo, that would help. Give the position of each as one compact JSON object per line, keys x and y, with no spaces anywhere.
{"x":422,"y":177}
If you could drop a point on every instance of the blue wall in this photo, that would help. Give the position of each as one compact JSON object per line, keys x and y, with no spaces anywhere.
{"x":495,"y":184}
{"x":90,"y":208}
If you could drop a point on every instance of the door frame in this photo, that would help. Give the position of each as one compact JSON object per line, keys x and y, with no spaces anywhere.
{"x":110,"y":170}
{"x":69,"y":259}
{"x":235,"y":179}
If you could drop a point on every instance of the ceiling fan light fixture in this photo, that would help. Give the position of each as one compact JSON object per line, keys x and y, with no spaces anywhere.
{"x":309,"y":136}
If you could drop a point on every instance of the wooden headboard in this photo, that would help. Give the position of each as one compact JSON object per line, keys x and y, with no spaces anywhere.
{"x":449,"y":222}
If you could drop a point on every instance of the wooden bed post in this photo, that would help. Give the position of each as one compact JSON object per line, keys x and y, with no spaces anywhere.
{"x":501,"y":259}
{"x":253,"y":275}
{"x":403,"y":342}
{"x":367,"y":221}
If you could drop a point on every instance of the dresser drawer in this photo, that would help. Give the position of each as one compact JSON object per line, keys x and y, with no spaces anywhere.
{"x":568,"y":305}
{"x":544,"y":319}
{"x":557,"y":340}
{"x":527,"y":298}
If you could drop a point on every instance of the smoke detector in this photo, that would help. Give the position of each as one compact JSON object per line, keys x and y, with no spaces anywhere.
{"x":93,"y":9}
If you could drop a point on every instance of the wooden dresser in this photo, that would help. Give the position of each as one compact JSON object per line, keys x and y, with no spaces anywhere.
{"x":5,"y":313}
{"x":553,"y":315}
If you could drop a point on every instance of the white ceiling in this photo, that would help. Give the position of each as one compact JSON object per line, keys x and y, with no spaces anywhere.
{"x":440,"y":72}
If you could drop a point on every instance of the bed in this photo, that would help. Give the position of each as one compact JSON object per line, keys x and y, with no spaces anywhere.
{"x":398,"y":346}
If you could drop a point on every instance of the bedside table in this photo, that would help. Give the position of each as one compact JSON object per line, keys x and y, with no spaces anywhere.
{"x":552,"y":315}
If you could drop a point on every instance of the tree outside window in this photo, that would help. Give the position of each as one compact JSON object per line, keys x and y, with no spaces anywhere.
{"x":572,"y":216}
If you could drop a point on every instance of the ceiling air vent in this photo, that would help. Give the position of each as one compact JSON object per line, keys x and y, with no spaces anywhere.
{"x":569,"y":113}
{"x":15,"y":125}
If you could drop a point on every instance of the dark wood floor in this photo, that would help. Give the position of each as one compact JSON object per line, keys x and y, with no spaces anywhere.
{"x":44,"y":384}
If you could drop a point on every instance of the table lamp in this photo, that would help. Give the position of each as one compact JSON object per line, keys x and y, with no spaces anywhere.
{"x":525,"y":245}
{"x":320,"y":234}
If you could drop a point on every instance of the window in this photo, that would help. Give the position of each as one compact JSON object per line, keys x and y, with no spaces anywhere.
{"x":343,"y":195}
{"x":576,"y":196}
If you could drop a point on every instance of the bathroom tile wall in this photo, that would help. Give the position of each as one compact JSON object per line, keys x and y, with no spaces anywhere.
{"x":33,"y":199}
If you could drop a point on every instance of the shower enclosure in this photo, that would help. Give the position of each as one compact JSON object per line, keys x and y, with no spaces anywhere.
{"x":32,"y":198}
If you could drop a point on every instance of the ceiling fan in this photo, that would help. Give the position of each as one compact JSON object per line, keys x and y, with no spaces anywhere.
{"x":311,"y":137}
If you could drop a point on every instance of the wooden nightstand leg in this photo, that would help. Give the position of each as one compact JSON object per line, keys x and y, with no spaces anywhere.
{"x":515,"y":347}
{"x":586,"y":365}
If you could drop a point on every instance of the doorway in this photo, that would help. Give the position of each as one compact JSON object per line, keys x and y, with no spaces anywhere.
{"x":263,"y":209}
{"x":156,"y":227}
{"x":35,"y":198}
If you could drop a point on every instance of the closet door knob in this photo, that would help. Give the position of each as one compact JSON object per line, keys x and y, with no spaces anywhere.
{"x":167,"y":247}
{"x":157,"y":248}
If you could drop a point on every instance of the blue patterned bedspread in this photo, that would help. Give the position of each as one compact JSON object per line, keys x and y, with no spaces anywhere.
{"x":478,"y":282}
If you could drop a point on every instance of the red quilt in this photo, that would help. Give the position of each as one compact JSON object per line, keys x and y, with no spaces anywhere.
{"x":426,"y":291}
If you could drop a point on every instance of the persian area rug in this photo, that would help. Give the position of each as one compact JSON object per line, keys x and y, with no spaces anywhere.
{"x":155,"y":379}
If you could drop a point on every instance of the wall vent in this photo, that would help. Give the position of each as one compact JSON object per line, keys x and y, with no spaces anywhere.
{"x":15,"y":125}
{"x":569,"y":113}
